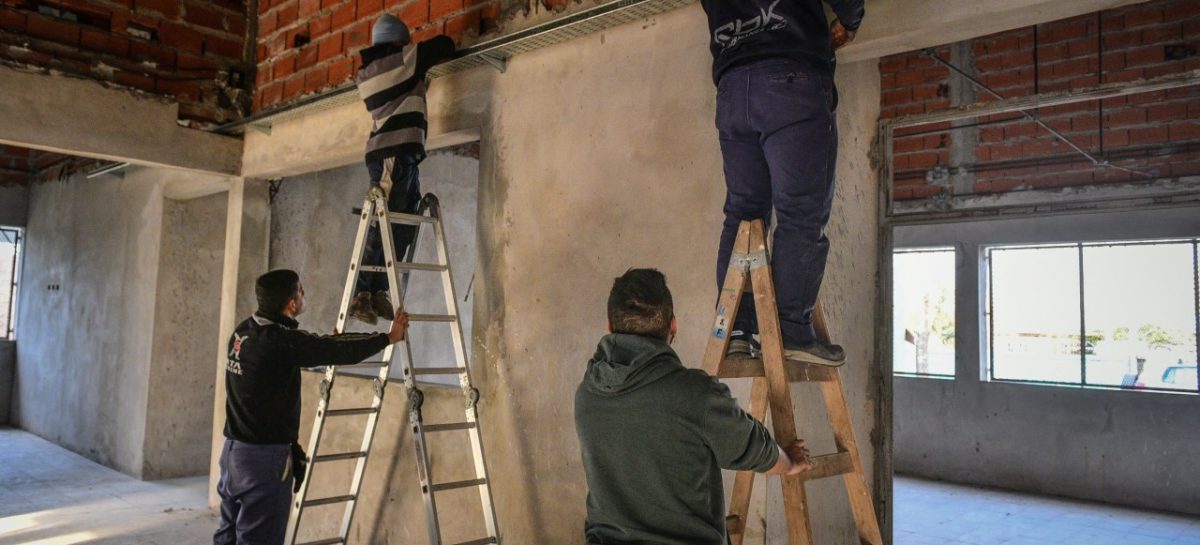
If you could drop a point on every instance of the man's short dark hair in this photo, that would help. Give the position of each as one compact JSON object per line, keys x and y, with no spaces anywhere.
{"x":275,"y":289}
{"x":640,"y":304}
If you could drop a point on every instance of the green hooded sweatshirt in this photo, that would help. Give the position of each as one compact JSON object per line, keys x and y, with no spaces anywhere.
{"x":655,"y":436}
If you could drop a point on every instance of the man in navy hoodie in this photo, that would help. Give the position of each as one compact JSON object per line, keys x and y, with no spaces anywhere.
{"x":773,"y":64}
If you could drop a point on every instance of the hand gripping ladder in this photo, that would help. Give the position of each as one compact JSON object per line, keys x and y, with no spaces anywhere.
{"x":375,"y":210}
{"x":750,"y":266}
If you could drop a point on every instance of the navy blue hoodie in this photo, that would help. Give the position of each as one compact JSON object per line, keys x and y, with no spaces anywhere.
{"x":744,"y":31}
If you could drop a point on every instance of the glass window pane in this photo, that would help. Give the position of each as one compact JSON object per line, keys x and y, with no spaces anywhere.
{"x":8,"y":254}
{"x":923,"y":312}
{"x":1035,"y":314}
{"x":1140,"y":315}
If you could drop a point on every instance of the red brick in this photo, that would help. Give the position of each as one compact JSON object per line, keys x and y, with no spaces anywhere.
{"x":1144,"y":55}
{"x":1162,"y":35}
{"x":168,"y":8}
{"x":272,"y":94}
{"x":320,"y":26}
{"x":1148,"y":135}
{"x":53,"y":29}
{"x":181,"y":37}
{"x":368,"y":8}
{"x":897,"y":96}
{"x":293,"y":87}
{"x":1122,"y":40}
{"x":893,"y":64}
{"x":308,"y":8}
{"x":161,"y":56}
{"x":343,"y":16}
{"x":134,"y":79}
{"x":267,"y":23}
{"x":441,"y":8}
{"x":1065,"y":30}
{"x":229,"y":49}
{"x":326,"y":4}
{"x":283,"y":67}
{"x":1181,"y":9}
{"x":316,"y":79}
{"x":180,"y":89}
{"x":288,"y":13}
{"x":356,"y":36}
{"x":104,"y":42}
{"x":189,"y":61}
{"x":329,"y":47}
{"x":1145,"y":15}
{"x":1182,"y":132}
{"x":1130,"y":74}
{"x":203,"y":16}
{"x":341,"y":70}
{"x":1085,"y":123}
{"x":463,"y":24}
{"x":306,"y":57}
{"x":12,"y":21}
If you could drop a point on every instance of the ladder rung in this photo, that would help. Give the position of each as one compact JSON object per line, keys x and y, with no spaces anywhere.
{"x":328,"y":501}
{"x":329,"y":541}
{"x":438,"y":370}
{"x":828,"y":465}
{"x":339,"y":456}
{"x":432,"y":318}
{"x":349,"y":412}
{"x":365,"y":364}
{"x":458,"y":484}
{"x":797,"y":371}
{"x":482,"y":541}
{"x":434,"y":267}
{"x":372,"y":268}
{"x":449,"y":427}
{"x":410,"y":219}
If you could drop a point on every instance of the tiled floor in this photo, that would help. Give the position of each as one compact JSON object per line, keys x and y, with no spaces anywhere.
{"x":51,"y":496}
{"x":930,"y":512}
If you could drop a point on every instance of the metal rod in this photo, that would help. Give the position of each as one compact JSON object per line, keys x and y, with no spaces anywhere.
{"x":1082,"y":320}
{"x":991,"y":310}
{"x":1196,"y":297}
{"x":931,"y":53}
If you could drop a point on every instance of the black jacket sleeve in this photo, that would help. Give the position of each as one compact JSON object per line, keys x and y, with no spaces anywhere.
{"x":305,"y":349}
{"x":433,"y":51}
{"x":850,"y":12}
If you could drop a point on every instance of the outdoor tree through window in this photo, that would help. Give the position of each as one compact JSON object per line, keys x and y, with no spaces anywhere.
{"x":923,"y":312}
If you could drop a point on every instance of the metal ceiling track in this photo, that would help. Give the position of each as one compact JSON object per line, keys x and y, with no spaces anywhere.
{"x":494,"y":52}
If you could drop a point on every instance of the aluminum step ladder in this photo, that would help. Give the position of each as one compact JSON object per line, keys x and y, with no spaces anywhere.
{"x":750,"y":272}
{"x":375,"y":211}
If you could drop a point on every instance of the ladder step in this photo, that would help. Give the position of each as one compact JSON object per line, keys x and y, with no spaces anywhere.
{"x":458,"y":484}
{"x":433,"y":267}
{"x":438,"y":370}
{"x":432,"y":318}
{"x":410,"y":219}
{"x":339,"y":456}
{"x":349,"y":412}
{"x":449,"y":427}
{"x":363,"y":364}
{"x":329,"y":541}
{"x":328,"y":501}
{"x":482,"y":541}
{"x":797,"y":371}
{"x":828,"y":465}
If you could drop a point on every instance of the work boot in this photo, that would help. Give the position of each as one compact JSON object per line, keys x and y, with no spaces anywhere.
{"x":382,"y":305}
{"x":741,"y":347}
{"x":360,"y":308}
{"x":817,"y":352}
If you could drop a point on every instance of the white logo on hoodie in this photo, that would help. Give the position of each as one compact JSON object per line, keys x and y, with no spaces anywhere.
{"x":729,"y":34}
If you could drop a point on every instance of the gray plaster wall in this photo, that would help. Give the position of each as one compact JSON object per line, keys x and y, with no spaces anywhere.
{"x":1118,"y":446}
{"x":86,"y":315}
{"x":14,"y":205}
{"x":615,"y":165}
{"x":180,"y":399}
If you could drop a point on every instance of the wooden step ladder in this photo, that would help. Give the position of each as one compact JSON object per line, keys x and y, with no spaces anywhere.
{"x":749,"y":267}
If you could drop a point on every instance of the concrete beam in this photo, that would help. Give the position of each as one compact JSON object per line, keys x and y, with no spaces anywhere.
{"x":85,"y":118}
{"x":897,"y":26}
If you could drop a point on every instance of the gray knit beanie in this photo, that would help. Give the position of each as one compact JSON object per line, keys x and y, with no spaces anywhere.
{"x":389,"y":29}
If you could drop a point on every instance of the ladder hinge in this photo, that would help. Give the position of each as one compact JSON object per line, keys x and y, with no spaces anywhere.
{"x":748,"y":261}
{"x":472,"y":397}
{"x":416,"y":398}
{"x":325,"y":390}
{"x":379,"y":386}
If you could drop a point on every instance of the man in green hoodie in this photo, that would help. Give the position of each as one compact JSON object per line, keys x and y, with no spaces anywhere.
{"x":655,"y":434}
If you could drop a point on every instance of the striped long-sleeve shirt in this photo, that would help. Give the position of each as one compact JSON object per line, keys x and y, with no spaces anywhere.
{"x":392,"y":84}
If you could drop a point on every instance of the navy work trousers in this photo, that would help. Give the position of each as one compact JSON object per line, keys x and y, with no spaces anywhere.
{"x":778,"y":136}
{"x":403,"y":188}
{"x":256,"y":493}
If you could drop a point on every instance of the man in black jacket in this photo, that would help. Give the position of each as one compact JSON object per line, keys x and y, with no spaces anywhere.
{"x":655,"y":435}
{"x":773,"y":65}
{"x":262,"y":407}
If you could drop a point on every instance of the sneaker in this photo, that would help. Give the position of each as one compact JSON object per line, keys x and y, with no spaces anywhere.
{"x":817,"y":352}
{"x":739,"y":349}
{"x":360,"y":308}
{"x":382,"y":305}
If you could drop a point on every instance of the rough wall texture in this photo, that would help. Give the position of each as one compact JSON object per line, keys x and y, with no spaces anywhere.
{"x":180,"y":400}
{"x":1123,"y":447}
{"x":633,"y":180}
{"x":82,"y":381}
{"x":1156,"y":133}
{"x":191,"y":50}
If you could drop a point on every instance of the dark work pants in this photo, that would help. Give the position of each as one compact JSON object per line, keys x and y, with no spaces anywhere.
{"x":256,"y":493}
{"x":779,"y":142}
{"x":404,"y":195}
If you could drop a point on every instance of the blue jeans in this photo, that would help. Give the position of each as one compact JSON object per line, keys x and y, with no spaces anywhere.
{"x":778,"y":136}
{"x":404,"y":195}
{"x":256,"y":493}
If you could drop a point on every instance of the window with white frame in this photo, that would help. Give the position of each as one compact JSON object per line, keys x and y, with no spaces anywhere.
{"x":1121,"y":314}
{"x":923,"y":312}
{"x":10,"y":265}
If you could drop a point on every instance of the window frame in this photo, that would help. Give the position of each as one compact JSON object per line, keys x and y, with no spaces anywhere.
{"x":986,"y":311}
{"x":954,"y":298}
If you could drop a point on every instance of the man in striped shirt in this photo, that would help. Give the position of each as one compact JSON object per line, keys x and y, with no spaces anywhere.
{"x":392,"y":84}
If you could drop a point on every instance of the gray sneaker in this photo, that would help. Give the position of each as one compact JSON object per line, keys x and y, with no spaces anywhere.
{"x":360,"y":308}
{"x":381,"y":304}
{"x":817,"y":352}
{"x":740,"y":349}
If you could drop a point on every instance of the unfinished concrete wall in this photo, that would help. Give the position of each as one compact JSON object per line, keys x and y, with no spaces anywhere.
{"x":1119,"y":446}
{"x":180,"y":400}
{"x":634,"y":179}
{"x":86,"y":315}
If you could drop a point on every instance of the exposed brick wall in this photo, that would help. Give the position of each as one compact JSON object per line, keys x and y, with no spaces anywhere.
{"x":305,"y":46}
{"x":16,"y":165}
{"x":21,"y":166}
{"x":1154,"y":133}
{"x":191,"y":50}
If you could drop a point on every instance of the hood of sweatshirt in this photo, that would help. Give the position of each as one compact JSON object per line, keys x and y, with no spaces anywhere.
{"x":623,"y":363}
